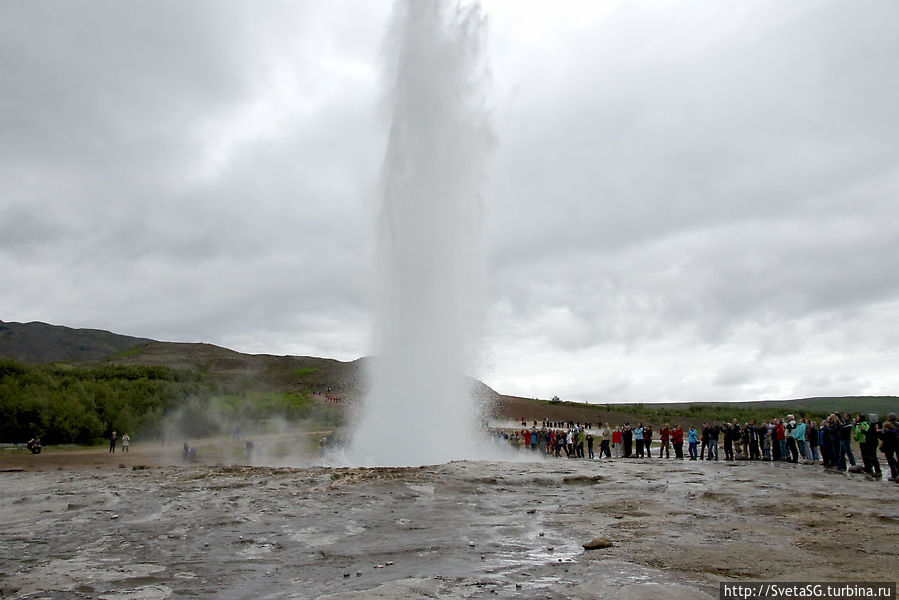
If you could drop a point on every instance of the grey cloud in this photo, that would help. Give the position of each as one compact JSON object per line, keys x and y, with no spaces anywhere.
{"x":684,"y":203}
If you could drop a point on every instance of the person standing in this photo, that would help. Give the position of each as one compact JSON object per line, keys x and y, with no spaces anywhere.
{"x":791,"y":441}
{"x":692,"y":441}
{"x":126,"y":441}
{"x":754,"y":452}
{"x":737,"y":435}
{"x":590,"y":446}
{"x":605,"y":440}
{"x":811,"y":436}
{"x":677,"y":440}
{"x":617,"y":438}
{"x":767,"y":446}
{"x":775,"y":444}
{"x":799,"y":434}
{"x":665,"y":440}
{"x":112,"y":441}
{"x":889,"y":444}
{"x":704,"y":437}
{"x":627,"y":436}
{"x":647,"y":440}
{"x":826,"y":433}
{"x":638,"y":439}
{"x":845,"y":437}
{"x":580,"y":440}
{"x":867,"y":438}
{"x":782,"y":440}
{"x":714,"y":433}
{"x":728,"y":441}
{"x":831,"y":443}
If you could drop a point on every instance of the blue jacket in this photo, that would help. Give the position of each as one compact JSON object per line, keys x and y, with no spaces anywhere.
{"x":693,"y":436}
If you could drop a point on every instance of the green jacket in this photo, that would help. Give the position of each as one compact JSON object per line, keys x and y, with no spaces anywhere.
{"x":860,"y":431}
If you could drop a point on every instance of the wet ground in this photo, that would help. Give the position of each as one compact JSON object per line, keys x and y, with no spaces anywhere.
{"x":461,"y":530}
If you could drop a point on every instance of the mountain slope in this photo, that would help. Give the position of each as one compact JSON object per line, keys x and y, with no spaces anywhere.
{"x":43,"y":343}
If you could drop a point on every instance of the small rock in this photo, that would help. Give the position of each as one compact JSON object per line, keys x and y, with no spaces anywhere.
{"x":346,"y":575}
{"x":532,"y":511}
{"x":389,"y":563}
{"x":550,"y":548}
{"x":358,"y":573}
{"x":541,"y":534}
{"x":379,"y":566}
{"x":114,"y":517}
{"x":598,"y":542}
{"x":471,"y":544}
{"x":483,"y":557}
{"x":517,"y":586}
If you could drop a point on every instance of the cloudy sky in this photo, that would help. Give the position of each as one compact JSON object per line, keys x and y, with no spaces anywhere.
{"x":688,"y":200}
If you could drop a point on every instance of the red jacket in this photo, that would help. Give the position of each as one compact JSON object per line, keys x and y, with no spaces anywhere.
{"x":677,"y":436}
{"x":616,"y":436}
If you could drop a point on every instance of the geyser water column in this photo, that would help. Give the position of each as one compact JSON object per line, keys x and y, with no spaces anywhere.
{"x":418,"y":408}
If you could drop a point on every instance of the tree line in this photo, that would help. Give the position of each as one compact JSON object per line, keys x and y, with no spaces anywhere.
{"x":67,"y":404}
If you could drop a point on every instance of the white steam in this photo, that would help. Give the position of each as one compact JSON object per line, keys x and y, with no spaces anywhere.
{"x":419,"y":408}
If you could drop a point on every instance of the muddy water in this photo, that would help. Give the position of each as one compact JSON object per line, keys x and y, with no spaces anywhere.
{"x":461,"y":530}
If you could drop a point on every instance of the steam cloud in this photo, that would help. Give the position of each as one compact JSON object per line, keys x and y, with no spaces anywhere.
{"x":419,"y":408}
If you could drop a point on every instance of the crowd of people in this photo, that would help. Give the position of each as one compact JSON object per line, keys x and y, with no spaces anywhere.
{"x":829,"y":443}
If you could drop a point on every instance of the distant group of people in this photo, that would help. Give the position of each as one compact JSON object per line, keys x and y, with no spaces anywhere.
{"x":113,"y":440}
{"x":787,"y":440}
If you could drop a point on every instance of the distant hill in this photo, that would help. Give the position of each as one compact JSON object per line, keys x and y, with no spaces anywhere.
{"x":43,"y":343}
{"x":234,"y":370}
{"x":880,"y":405}
{"x":692,"y":413}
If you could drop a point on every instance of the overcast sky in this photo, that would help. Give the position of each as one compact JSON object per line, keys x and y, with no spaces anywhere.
{"x":690,"y":200}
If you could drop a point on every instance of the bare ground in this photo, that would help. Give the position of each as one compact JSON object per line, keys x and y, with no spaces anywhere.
{"x":93,"y":525}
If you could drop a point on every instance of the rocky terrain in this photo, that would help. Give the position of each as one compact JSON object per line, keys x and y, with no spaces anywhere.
{"x":104,"y":526}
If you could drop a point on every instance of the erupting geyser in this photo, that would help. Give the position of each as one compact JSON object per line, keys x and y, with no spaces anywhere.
{"x":419,"y":409}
